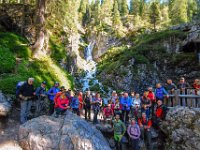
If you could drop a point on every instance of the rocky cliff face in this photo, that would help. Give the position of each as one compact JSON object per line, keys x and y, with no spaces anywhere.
{"x":154,"y":61}
{"x":182,"y":127}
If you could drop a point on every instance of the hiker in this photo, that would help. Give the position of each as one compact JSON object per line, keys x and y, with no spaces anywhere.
{"x":40,"y":99}
{"x":196,"y":86}
{"x":152,"y":98}
{"x":160,"y":92}
{"x":87,"y":105}
{"x":121,"y":96}
{"x":126,"y":106}
{"x":62,"y":104}
{"x":51,"y":95}
{"x":146,"y":104}
{"x":108,"y":113}
{"x":113,"y":97}
{"x":170,"y":87}
{"x":183,"y":86}
{"x":136,"y":106}
{"x":75,"y":104}
{"x":117,"y":108}
{"x":26,"y":93}
{"x":145,"y":126}
{"x":97,"y":103}
{"x":132,"y":96}
{"x":80,"y":98}
{"x":160,"y":113}
{"x":119,"y":130}
{"x":134,"y":134}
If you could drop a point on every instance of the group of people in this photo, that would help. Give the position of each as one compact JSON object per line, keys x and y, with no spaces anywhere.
{"x":128,"y":113}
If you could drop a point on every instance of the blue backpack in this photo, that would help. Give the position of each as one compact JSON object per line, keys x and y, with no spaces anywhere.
{"x":18,"y":86}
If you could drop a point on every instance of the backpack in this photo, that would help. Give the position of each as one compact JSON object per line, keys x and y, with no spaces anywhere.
{"x":132,"y":131}
{"x":18,"y":86}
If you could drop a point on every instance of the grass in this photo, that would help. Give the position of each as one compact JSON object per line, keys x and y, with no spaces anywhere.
{"x":11,"y":72}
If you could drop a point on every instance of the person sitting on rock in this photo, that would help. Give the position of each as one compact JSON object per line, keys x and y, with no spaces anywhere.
{"x":134,"y":134}
{"x":146,"y":104}
{"x":126,"y":106}
{"x":40,"y":98}
{"x":26,"y":93}
{"x":145,"y":125}
{"x":107,"y":113}
{"x":62,"y":104}
{"x":119,"y":130}
{"x":75,"y":104}
{"x":160,"y":113}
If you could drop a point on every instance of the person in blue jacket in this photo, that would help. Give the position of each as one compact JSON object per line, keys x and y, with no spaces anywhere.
{"x":160,"y":92}
{"x":126,"y":106}
{"x":51,"y":94}
{"x":75,"y":104}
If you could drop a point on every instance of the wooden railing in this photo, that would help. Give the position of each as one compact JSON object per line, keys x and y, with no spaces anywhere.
{"x":186,"y":97}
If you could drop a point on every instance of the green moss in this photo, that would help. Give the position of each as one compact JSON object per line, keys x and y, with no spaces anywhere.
{"x":15,"y":44}
{"x":57,"y":48}
{"x":12,"y":46}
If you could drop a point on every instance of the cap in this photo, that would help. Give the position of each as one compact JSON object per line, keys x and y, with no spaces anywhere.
{"x":44,"y":82}
{"x":56,"y":82}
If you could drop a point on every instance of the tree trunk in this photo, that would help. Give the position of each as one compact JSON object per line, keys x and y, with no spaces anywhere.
{"x":40,"y":29}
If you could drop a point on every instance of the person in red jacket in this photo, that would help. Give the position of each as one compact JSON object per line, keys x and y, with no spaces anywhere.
{"x":160,"y":113}
{"x":145,"y":125}
{"x":152,"y":98}
{"x":108,"y":112}
{"x":62,"y":103}
{"x":80,"y":98}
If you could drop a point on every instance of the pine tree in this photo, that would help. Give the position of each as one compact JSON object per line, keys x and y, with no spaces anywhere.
{"x":116,"y":21}
{"x":87,"y":16}
{"x":124,"y":8}
{"x":178,"y":11}
{"x":192,"y":9}
{"x":106,"y":11}
{"x":154,"y":14}
{"x":134,"y":7}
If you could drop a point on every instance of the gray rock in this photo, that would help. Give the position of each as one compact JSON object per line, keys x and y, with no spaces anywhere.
{"x":5,"y":104}
{"x":68,"y":132}
{"x":182,"y":127}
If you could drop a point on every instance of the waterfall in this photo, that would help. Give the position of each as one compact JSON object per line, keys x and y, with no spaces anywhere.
{"x":90,"y":69}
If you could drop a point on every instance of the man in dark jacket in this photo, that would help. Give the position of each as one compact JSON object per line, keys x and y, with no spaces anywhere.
{"x":26,"y":93}
{"x":41,"y":102}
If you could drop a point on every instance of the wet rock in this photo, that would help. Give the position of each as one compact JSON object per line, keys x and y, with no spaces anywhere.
{"x":67,"y":132}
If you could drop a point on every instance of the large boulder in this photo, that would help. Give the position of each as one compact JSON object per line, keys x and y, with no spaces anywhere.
{"x":182,"y":127}
{"x":5,"y":104}
{"x":68,"y":132}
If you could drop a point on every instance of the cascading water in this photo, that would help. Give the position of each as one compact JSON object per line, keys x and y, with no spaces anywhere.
{"x":90,"y":69}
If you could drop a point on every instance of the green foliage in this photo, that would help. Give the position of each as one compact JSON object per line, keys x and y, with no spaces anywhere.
{"x":12,"y":72}
{"x":147,"y":49}
{"x":134,"y":7}
{"x":7,"y":60}
{"x":154,"y":14}
{"x":15,"y":44}
{"x":57,"y":48}
{"x":124,"y":8}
